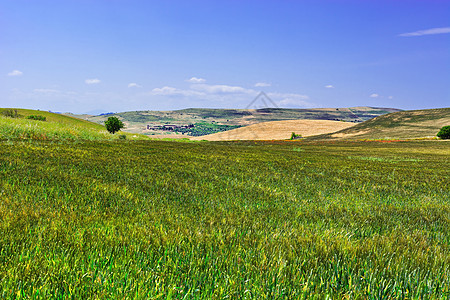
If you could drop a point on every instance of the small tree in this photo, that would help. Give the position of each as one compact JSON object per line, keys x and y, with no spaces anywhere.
{"x":295,"y":136}
{"x":113,"y":124}
{"x":444,"y":133}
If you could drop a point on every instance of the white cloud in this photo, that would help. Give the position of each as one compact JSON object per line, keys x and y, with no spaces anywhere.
{"x":290,"y":99}
{"x":329,"y":86}
{"x":374,"y":95}
{"x":220,"y":89}
{"x":15,"y":73}
{"x":439,"y":30}
{"x":92,"y":81}
{"x":262,"y":84}
{"x":167,"y":90}
{"x":228,"y":96}
{"x":134,"y":85}
{"x":196,"y":80}
{"x":391,"y":97}
{"x":171,"y":91}
{"x":45,"y":91}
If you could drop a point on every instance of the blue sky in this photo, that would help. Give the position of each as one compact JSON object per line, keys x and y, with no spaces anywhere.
{"x":112,"y":55}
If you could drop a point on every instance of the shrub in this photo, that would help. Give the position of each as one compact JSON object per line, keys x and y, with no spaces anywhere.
{"x":37,"y":118}
{"x":122,"y":137}
{"x":12,"y":113}
{"x":295,"y":136}
{"x":444,"y":133}
{"x":113,"y":125}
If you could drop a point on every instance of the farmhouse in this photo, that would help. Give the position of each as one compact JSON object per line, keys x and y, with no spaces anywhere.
{"x":169,"y":127}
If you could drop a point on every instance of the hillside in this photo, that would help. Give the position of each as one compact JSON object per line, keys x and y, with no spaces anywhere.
{"x":398,"y":125}
{"x":216,"y":120}
{"x":55,"y":127}
{"x":278,"y":130}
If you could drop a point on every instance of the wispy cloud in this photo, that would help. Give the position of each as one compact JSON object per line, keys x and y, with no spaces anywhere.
{"x":228,"y":95}
{"x":196,"y":80}
{"x":329,"y":86}
{"x":262,"y":84}
{"x":439,"y":30}
{"x":290,"y":99}
{"x":374,"y":95}
{"x":171,"y":91}
{"x":219,"y":89}
{"x":92,"y":81}
{"x":46,"y":91}
{"x":166,"y":90}
{"x":134,"y":85}
{"x":15,"y":73}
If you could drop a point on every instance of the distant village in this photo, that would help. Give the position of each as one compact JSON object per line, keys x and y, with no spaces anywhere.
{"x":169,"y":127}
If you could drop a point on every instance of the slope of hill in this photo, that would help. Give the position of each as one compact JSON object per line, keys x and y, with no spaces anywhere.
{"x":140,"y":121}
{"x":398,"y":125}
{"x":278,"y":130}
{"x":55,"y":127}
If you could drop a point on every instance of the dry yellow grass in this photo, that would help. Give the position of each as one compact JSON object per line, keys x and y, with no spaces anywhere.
{"x":424,"y":123}
{"x":278,"y":130}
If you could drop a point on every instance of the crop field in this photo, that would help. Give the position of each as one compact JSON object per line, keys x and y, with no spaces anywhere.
{"x":277,"y":130}
{"x":228,"y":220}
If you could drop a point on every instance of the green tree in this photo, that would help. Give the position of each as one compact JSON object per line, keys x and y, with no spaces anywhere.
{"x":295,"y":136}
{"x":444,"y":133}
{"x":113,"y":124}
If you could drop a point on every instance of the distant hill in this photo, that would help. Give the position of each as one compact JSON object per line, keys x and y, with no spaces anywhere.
{"x":278,"y":130}
{"x":208,"y":119}
{"x":55,"y":127}
{"x":399,"y":125}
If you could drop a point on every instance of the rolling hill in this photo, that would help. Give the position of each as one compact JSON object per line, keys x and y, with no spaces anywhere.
{"x":398,"y":125}
{"x":55,"y":127}
{"x":278,"y":130}
{"x":209,"y":119}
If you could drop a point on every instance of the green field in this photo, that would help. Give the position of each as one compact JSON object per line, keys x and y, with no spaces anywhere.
{"x":56,"y":127}
{"x":247,"y":220}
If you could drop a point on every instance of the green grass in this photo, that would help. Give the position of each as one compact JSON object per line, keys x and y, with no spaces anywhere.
{"x":245,"y":220}
{"x":56,"y":127}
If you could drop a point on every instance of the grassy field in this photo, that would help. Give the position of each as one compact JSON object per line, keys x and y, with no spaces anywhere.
{"x":399,"y":125}
{"x":55,"y":127}
{"x":244,"y":220}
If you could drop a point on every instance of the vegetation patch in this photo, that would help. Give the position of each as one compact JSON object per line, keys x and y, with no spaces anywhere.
{"x":203,"y":128}
{"x":384,"y":159}
{"x":11,"y":113}
{"x":444,"y":133}
{"x":37,"y":117}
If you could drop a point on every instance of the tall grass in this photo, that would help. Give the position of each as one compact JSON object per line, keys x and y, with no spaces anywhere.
{"x":26,"y":129}
{"x":167,"y":220}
